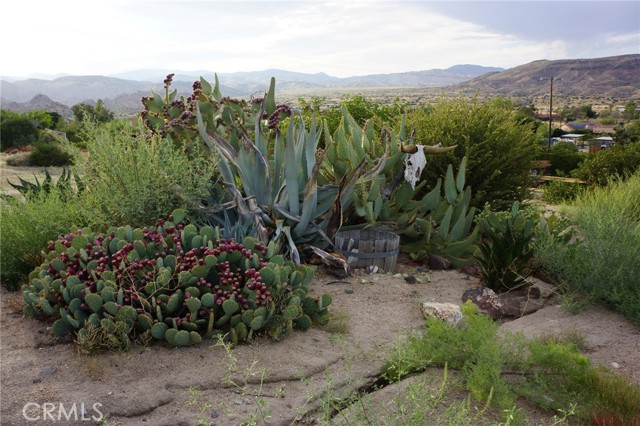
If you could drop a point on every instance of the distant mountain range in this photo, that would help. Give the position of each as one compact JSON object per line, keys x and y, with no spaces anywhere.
{"x":616,"y":77}
{"x":121,"y":91}
{"x":612,"y":77}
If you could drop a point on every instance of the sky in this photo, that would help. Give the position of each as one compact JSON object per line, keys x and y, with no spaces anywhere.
{"x":341,"y":38}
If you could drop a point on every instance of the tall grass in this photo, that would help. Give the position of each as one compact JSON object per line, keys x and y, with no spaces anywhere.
{"x":27,"y":225}
{"x":603,"y":263}
{"x":133,"y":180}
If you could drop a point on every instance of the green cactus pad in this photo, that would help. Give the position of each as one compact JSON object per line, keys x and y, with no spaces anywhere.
{"x":175,"y":301}
{"x":257,"y":323}
{"x":58,"y":265}
{"x":236,"y":319}
{"x":292,"y":312}
{"x":94,"y":301}
{"x":170,"y":335}
{"x":94,"y":319}
{"x":200,"y":271}
{"x":208,"y":300}
{"x":233,"y":335}
{"x":145,"y":321}
{"x":46,"y":307}
{"x":310,"y":306}
{"x":61,"y":327}
{"x":189,"y":326}
{"x":247,"y":316}
{"x":230,"y":306}
{"x":184,"y":277}
{"x":324,"y":301}
{"x":302,"y":323}
{"x":195,"y":337}
{"x":269,"y":276}
{"x":210,"y":260}
{"x":75,"y":304}
{"x":242,"y":331}
{"x":196,"y":242}
{"x":111,"y":308}
{"x":208,"y":233}
{"x":127,"y":313}
{"x":158,"y":330}
{"x":193,"y":291}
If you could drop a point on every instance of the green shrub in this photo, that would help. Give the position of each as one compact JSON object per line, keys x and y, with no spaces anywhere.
{"x":26,"y":226}
{"x":133,"y":180}
{"x":548,"y":373}
{"x":602,"y":262}
{"x":561,"y":192}
{"x":600,"y":167}
{"x":506,"y":248}
{"x":171,"y":281}
{"x":564,"y":158}
{"x":16,"y":130}
{"x":50,"y":154}
{"x":500,"y":147}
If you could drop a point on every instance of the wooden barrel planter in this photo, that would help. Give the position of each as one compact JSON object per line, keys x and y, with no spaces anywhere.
{"x":367,"y":248}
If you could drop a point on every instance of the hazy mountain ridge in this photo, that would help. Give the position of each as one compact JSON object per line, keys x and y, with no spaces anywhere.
{"x":119,"y":93}
{"x":614,"y":76}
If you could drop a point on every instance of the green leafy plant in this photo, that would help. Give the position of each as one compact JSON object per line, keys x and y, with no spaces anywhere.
{"x":618,"y":161}
{"x":548,"y":373}
{"x":506,"y":248}
{"x":27,"y":225}
{"x":271,"y":179}
{"x":173,"y":281}
{"x":50,"y":154}
{"x":133,"y":180}
{"x":441,"y":221}
{"x":599,"y":262}
{"x":64,"y":185}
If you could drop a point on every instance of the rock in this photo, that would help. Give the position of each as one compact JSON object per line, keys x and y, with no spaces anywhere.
{"x":470,"y":270}
{"x":540,"y":288}
{"x":410,"y":279}
{"x":447,"y":312}
{"x":438,"y":263}
{"x":518,"y":303}
{"x":348,"y":290}
{"x":615,"y":365}
{"x":486,"y":299}
{"x":47,"y":371}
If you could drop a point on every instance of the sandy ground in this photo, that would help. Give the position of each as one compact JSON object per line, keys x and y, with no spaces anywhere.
{"x":282,"y":383}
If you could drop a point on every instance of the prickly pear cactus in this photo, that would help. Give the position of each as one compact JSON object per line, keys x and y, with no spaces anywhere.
{"x":174,"y":282}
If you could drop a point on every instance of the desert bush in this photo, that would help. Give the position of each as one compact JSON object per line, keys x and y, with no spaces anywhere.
{"x":133,"y":180}
{"x":601,"y":263}
{"x":561,"y":192}
{"x":172,"y":281}
{"x":50,"y":154}
{"x":550,"y":374}
{"x":618,"y":161}
{"x":506,"y":247}
{"x":27,"y":225}
{"x":564,"y":158}
{"x":16,"y":130}
{"x":499,"y":146}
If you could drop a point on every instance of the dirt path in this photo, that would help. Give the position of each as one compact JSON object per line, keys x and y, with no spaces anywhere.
{"x":282,"y":380}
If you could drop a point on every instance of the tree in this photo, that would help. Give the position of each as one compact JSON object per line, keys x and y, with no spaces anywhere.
{"x":630,"y":110}
{"x":17,"y":129}
{"x":499,"y":146}
{"x":97,"y":113}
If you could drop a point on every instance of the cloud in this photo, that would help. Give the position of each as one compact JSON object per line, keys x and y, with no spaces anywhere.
{"x":336,"y":37}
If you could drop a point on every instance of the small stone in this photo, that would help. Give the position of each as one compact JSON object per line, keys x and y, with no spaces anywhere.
{"x":470,"y":270}
{"x":439,"y":263}
{"x":371,"y":269}
{"x":47,"y":371}
{"x":410,"y":279}
{"x":348,"y":290}
{"x":615,"y":365}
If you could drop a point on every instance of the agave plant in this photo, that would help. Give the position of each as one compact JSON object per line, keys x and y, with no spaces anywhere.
{"x":63,"y":185}
{"x":272,"y":178}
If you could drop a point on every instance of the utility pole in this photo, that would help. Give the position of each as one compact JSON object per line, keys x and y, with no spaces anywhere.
{"x":550,"y":111}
